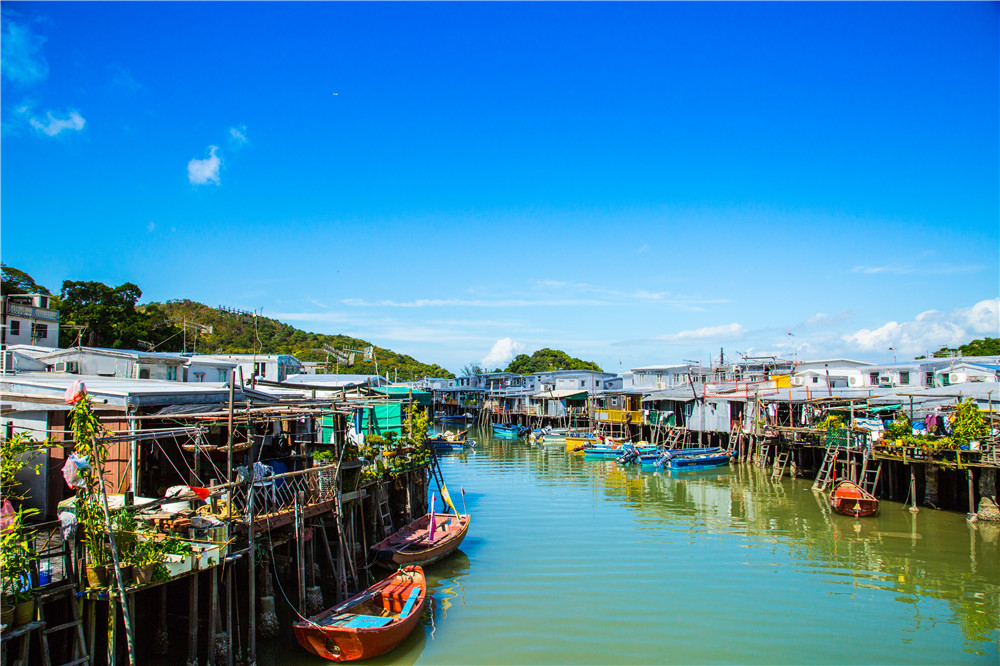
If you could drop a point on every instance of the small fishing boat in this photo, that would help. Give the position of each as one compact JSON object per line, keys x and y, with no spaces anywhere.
{"x":643,"y":456}
{"x":690,"y":459}
{"x":509,"y":429}
{"x":452,"y":441}
{"x":578,"y":442}
{"x":421,"y":544}
{"x":851,"y":499}
{"x":453,"y":418}
{"x":616,"y":451}
{"x":371,"y":622}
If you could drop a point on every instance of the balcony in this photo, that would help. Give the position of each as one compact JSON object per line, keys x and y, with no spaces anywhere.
{"x":31,"y":312}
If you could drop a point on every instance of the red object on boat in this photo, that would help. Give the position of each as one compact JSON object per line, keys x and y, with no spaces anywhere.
{"x":851,"y":499}
{"x":371,"y":622}
{"x":414,"y":544}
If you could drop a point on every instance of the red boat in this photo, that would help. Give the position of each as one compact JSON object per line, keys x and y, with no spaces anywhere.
{"x":414,"y":544}
{"x":851,"y":499}
{"x":371,"y":622}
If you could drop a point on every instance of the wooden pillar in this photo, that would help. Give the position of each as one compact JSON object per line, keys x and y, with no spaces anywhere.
{"x":300,"y":554}
{"x":193,"y":620}
{"x":913,"y":490}
{"x":213,"y":611}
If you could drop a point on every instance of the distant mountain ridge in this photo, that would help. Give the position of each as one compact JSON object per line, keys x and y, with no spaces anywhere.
{"x":234,"y":333}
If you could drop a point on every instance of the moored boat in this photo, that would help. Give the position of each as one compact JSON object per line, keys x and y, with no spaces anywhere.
{"x":578,"y":441}
{"x":851,"y":499}
{"x":371,"y":622}
{"x":691,"y":459}
{"x":509,"y":429}
{"x":449,"y":441}
{"x":418,"y":543}
{"x":617,"y":450}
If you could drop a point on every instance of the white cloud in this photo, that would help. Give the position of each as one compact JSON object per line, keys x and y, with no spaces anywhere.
{"x":900,"y":268}
{"x":723,"y":332}
{"x":205,"y":171}
{"x":931,"y":329}
{"x":238,"y":134}
{"x":22,"y":58}
{"x":54,"y":126}
{"x":151,"y":227}
{"x":502,"y":352}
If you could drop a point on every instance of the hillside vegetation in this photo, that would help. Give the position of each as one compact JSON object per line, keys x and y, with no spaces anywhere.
{"x":548,"y":359}
{"x":237,"y":334}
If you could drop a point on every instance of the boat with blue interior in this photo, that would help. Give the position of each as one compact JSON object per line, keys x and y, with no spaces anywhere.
{"x":696,"y":458}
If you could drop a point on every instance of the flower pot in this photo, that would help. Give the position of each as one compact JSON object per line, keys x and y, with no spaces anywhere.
{"x":144,"y":573}
{"x":127,"y":578}
{"x":7,"y":616}
{"x":24,"y":612}
{"x":97,"y":575}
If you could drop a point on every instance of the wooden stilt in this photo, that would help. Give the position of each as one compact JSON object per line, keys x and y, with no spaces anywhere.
{"x":193,"y":620}
{"x":213,"y":611}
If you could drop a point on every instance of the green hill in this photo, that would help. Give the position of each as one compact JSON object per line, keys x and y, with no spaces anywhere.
{"x":234,"y":334}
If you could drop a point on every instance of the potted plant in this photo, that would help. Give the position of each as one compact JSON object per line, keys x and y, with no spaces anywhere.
{"x":146,"y":557}
{"x":89,"y":512}
{"x":18,"y":554}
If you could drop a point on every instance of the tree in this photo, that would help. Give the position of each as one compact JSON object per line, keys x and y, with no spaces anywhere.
{"x":473,"y":368}
{"x":18,"y":282}
{"x":984,"y":347}
{"x":548,"y":359}
{"x":111,"y":317}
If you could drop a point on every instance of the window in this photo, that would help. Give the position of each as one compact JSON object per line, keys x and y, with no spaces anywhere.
{"x":199,"y":376}
{"x":15,"y":327}
{"x":39,"y":331}
{"x":929,"y":379}
{"x":259,"y":369}
{"x":815,"y":380}
{"x":583,"y":383}
{"x":904,"y":377}
{"x":171,"y":373}
{"x":873,"y":377}
{"x":143,"y":373}
{"x":222,"y":375}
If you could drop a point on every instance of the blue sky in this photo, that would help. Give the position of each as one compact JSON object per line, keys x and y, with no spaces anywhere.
{"x":632,"y":183}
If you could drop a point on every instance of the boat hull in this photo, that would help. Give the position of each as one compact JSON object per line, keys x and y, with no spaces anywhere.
{"x":692,"y":459}
{"x":322,"y":636}
{"x":410,"y":546}
{"x":851,"y":499}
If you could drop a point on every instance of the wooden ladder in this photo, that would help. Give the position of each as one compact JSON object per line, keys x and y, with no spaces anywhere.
{"x":765,"y":451}
{"x":780,"y":461}
{"x":66,"y":593}
{"x":826,"y":468}
{"x":384,"y":511}
{"x":869,"y":477}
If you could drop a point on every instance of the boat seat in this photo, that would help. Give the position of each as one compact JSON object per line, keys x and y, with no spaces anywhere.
{"x":410,"y":600}
{"x":355,"y":621}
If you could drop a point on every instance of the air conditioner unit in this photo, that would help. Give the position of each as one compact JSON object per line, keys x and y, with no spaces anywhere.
{"x":854,"y":381}
{"x":659,"y":385}
{"x":956,"y":377}
{"x":70,"y":367}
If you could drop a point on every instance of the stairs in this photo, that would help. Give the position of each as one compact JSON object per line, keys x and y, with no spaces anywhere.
{"x":826,"y":469}
{"x":66,"y":596}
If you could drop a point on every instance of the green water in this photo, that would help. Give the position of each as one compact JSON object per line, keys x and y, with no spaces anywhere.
{"x":577,"y":562}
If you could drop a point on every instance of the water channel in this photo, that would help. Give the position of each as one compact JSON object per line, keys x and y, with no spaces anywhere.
{"x":585,"y":562}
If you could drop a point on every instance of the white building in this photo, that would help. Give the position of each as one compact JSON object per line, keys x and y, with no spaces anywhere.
{"x":270,"y":367}
{"x":28,"y":320}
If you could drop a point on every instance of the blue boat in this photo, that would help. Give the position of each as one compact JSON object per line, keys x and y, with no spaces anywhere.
{"x":689,"y":459}
{"x":616,"y":452}
{"x":509,"y":429}
{"x":453,"y":418}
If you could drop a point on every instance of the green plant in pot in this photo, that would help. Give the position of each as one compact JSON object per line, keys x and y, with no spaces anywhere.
{"x":17,"y":553}
{"x":90,"y":518}
{"x":146,"y":557}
